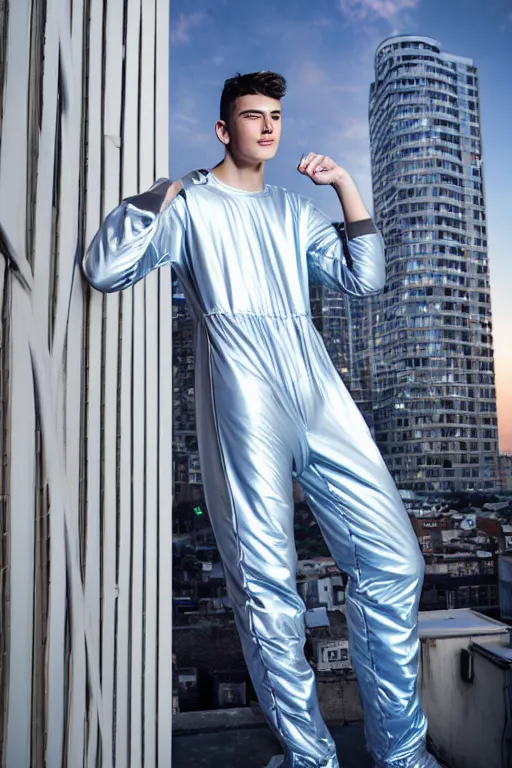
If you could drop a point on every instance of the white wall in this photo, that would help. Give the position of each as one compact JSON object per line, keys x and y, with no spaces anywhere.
{"x":85,"y":417}
{"x":466,"y":720}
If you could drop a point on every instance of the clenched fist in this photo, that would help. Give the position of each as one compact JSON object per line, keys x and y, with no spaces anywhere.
{"x":321,"y":169}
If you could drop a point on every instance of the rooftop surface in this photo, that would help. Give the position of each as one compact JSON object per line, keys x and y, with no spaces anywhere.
{"x":240,"y":738}
{"x":457,"y":622}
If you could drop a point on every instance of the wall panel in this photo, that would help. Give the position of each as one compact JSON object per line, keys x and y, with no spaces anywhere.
{"x":85,"y":393}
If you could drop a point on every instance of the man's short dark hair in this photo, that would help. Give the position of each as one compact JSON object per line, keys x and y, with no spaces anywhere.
{"x":267,"y":83}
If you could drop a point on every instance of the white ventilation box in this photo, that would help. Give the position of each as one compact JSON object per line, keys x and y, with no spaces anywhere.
{"x":465,"y":686}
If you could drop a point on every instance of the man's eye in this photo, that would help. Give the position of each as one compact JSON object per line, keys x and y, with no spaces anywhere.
{"x":277,"y":117}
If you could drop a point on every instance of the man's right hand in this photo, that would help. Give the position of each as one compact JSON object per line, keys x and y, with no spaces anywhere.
{"x":172,"y":191}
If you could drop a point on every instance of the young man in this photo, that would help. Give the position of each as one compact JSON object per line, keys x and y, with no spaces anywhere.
{"x":270,"y":405}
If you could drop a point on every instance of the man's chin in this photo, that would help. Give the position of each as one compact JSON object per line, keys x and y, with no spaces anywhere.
{"x":267,"y":153}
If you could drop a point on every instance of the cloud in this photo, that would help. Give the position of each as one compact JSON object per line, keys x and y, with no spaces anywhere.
{"x":363,"y":10}
{"x":193,"y":138}
{"x":354,"y":129}
{"x":189,"y":124}
{"x":311,"y":75}
{"x":505,"y":24}
{"x":185,"y":116}
{"x":322,"y":81}
{"x":180,"y":30}
{"x":180,"y":117}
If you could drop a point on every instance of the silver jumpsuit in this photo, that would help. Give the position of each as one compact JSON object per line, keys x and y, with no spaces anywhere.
{"x":270,"y":405}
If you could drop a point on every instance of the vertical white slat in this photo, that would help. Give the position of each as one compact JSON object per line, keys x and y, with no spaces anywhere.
{"x":22,"y":494}
{"x":164,"y":409}
{"x":71,"y":54}
{"x":165,"y":520}
{"x":125,"y":539}
{"x":138,"y":454}
{"x":151,"y":542}
{"x":109,"y":522}
{"x":13,"y":151}
{"x":92,"y":568}
{"x":64,"y":559}
{"x":138,"y":450}
{"x":147,"y":95}
{"x":22,"y":466}
{"x":57,"y":615}
{"x":46,"y":159}
{"x":5,"y":293}
{"x":72,"y":62}
{"x":129,"y":144}
{"x":147,"y":166}
{"x":112,"y":166}
{"x":92,"y":562}
{"x":162,"y":89}
{"x":74,"y":395}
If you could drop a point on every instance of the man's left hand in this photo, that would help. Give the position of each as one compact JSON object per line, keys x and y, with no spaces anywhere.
{"x":321,"y":169}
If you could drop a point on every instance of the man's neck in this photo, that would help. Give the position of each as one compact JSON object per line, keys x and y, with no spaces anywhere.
{"x":247,"y":178}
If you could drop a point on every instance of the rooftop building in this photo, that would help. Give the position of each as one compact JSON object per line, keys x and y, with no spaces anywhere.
{"x":505,"y":470}
{"x":188,"y":484}
{"x":434,"y":395}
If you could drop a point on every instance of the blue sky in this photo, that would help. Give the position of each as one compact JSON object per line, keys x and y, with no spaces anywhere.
{"x":325,"y":51}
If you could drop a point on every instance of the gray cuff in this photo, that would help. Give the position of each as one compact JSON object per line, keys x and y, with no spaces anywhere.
{"x":152,"y":199}
{"x":361,"y":227}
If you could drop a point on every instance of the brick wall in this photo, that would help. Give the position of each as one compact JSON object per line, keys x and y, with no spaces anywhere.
{"x":211,"y":646}
{"x":215,"y":646}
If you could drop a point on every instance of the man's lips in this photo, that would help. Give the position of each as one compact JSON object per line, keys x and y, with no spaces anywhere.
{"x":264,"y":142}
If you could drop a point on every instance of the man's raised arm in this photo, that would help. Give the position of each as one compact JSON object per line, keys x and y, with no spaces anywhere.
{"x":366,"y":274}
{"x":142,"y":233}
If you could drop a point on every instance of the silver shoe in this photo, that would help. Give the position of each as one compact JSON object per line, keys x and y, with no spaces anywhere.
{"x":297,"y":761}
{"x":276,"y":762}
{"x":424,"y":760}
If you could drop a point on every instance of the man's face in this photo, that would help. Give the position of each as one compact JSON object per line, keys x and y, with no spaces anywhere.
{"x":254,"y":128}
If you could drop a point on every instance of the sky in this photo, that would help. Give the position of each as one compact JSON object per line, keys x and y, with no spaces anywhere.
{"x":325,"y":50}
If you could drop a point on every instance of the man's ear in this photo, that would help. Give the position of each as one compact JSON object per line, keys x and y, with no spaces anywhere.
{"x":221,"y":131}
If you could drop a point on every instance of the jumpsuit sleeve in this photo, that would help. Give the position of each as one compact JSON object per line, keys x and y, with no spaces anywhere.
{"x":353,"y":263}
{"x":135,"y":239}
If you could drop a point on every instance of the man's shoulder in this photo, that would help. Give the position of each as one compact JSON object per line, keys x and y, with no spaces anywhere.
{"x":193,"y":179}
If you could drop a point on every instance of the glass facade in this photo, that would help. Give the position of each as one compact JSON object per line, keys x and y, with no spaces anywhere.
{"x":345,"y":323}
{"x":434,"y":401}
{"x":187,"y":471}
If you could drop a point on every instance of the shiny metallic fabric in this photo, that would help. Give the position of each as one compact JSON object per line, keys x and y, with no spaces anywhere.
{"x":270,"y":405}
{"x":420,"y":759}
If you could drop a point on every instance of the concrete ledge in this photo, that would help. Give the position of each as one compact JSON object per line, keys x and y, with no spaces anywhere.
{"x":224,"y":744}
{"x":209,"y":721}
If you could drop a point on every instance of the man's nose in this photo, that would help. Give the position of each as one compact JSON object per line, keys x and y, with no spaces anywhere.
{"x":267,"y":128}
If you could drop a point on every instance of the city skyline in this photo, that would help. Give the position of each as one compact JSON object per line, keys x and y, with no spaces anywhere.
{"x":327,"y":55}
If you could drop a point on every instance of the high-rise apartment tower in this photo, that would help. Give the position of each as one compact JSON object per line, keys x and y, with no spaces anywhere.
{"x":434,"y":395}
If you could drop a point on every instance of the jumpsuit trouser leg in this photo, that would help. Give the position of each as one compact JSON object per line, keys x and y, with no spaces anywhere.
{"x":252,"y":514}
{"x":369,"y":534}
